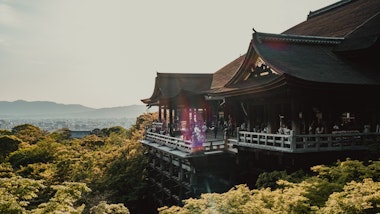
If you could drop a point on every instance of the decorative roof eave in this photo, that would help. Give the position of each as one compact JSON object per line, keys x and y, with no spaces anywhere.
{"x":253,"y":53}
{"x":229,"y":92}
{"x":320,"y":40}
{"x":240,"y":71}
{"x":182,"y":83}
{"x":155,"y":94}
{"x":328,"y":8}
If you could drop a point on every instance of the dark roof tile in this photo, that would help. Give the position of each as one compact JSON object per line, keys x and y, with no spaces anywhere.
{"x":337,"y":21}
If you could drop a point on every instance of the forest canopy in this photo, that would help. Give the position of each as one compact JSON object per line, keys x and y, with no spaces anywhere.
{"x":105,"y":172}
{"x":42,"y":172}
{"x":349,"y":186}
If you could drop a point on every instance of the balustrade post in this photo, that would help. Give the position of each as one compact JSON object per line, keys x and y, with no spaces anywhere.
{"x":282,"y":142}
{"x":305,"y":144}
{"x":238,"y":134}
{"x":329,"y":141}
{"x":266,"y":140}
{"x":225,"y":140}
{"x":318,"y":142}
{"x":292,"y":139}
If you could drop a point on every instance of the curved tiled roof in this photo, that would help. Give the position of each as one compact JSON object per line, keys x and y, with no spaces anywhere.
{"x":363,"y":37}
{"x":311,"y":60}
{"x":337,"y":20}
{"x":314,"y":52}
{"x":170,"y":85}
{"x":223,"y":75}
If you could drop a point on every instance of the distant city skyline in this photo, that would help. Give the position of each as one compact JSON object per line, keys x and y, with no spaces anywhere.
{"x":106,"y":53}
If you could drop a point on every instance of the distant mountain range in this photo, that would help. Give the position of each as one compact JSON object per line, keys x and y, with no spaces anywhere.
{"x":52,"y":110}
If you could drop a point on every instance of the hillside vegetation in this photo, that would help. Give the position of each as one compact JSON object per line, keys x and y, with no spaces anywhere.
{"x":42,"y":172}
{"x":349,"y":186}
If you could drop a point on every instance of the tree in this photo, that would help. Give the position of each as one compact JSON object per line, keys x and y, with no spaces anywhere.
{"x":356,"y":197}
{"x":347,"y":187}
{"x":17,"y":193}
{"x":61,"y":135}
{"x":8,"y":144}
{"x":29,"y":133}
{"x":42,"y":151}
{"x":104,"y":208}
{"x":126,"y":171}
{"x":65,"y":199}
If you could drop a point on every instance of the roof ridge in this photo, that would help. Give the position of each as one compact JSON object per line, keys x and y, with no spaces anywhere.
{"x":328,"y":8}
{"x":299,"y":38}
{"x":183,"y":74}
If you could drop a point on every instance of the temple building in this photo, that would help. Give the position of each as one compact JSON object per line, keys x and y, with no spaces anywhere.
{"x":310,"y":92}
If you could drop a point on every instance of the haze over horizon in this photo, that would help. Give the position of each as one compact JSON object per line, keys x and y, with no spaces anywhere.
{"x":106,"y":53}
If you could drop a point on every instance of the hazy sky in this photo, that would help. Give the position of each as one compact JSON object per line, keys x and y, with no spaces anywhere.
{"x":105,"y":53}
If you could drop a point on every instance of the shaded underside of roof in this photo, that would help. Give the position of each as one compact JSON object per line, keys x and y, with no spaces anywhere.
{"x":170,"y":85}
{"x":247,"y":86}
{"x":312,"y":61}
{"x":337,"y":21}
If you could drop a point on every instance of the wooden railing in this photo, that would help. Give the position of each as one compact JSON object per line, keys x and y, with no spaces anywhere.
{"x":305,"y":143}
{"x":275,"y":142}
{"x":183,"y":145}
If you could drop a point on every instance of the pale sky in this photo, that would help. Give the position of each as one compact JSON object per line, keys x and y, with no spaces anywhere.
{"x":105,"y":53}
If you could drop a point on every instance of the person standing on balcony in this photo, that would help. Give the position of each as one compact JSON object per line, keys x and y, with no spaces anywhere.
{"x":311,"y":128}
{"x":320,"y":129}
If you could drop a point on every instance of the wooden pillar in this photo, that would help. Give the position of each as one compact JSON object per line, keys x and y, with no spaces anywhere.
{"x":159,"y":113}
{"x":170,"y":115}
{"x":165,"y":116}
{"x":272,"y":119}
{"x":175,"y":114}
{"x":180,"y":178}
{"x":294,"y":116}
{"x":171,"y":121}
{"x":171,"y":166}
{"x":161,"y":181}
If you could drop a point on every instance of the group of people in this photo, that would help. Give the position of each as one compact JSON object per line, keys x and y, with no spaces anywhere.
{"x":316,"y":129}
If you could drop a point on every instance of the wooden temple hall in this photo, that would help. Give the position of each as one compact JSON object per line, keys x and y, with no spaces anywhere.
{"x":305,"y":96}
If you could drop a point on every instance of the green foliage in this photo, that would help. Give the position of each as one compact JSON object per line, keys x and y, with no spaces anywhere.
{"x":145,"y":120}
{"x":65,"y":199}
{"x":104,"y":208}
{"x":39,"y":171}
{"x":5,"y":132}
{"x":9,"y":203}
{"x":73,"y":174}
{"x":16,"y":193}
{"x":342,"y":173}
{"x":28,"y":133}
{"x":289,"y":199}
{"x":61,"y":135}
{"x":126,"y":172}
{"x":51,"y":173}
{"x":6,"y":170}
{"x":318,"y":190}
{"x":347,"y":187}
{"x":92,"y":141}
{"x":241,"y":199}
{"x":356,"y":197}
{"x":8,"y":144}
{"x":232,"y":201}
{"x":41,"y":152}
{"x":269,"y":179}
